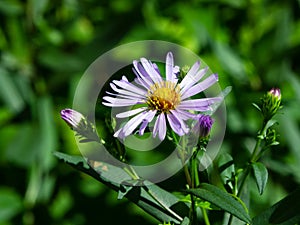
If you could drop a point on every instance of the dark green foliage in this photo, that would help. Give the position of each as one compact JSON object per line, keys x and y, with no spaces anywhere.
{"x":221,"y":199}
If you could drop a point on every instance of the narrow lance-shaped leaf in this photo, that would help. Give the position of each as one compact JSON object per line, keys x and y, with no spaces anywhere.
{"x":261,"y":175}
{"x":221,"y":199}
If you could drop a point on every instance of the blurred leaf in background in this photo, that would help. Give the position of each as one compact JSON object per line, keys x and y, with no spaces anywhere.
{"x":45,"y":48}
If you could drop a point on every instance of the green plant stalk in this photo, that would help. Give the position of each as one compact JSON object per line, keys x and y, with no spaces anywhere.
{"x":205,"y":216}
{"x":254,"y":157}
{"x":193,"y":212}
{"x":131,"y":172}
{"x":195,"y":184}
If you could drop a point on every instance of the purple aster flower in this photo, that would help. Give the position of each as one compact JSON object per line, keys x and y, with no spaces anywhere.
{"x":162,"y":100}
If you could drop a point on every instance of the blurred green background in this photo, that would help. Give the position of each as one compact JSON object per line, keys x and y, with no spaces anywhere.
{"x":46,"y":46}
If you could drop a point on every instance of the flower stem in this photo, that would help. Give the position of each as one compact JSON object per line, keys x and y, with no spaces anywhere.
{"x":205,"y":216}
{"x":132,"y":173}
{"x":254,"y":157}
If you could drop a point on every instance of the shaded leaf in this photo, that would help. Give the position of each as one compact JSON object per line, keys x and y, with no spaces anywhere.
{"x":285,"y":212}
{"x":261,"y":175}
{"x":10,"y":204}
{"x":151,"y":198}
{"x":227,"y":171}
{"x":185,"y":221}
{"x":9,"y":92}
{"x":221,"y":199}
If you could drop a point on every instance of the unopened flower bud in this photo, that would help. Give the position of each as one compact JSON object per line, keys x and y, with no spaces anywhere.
{"x":271,"y":103}
{"x":76,"y":121}
{"x":203,"y":125}
{"x":72,"y":117}
{"x":276,"y":93}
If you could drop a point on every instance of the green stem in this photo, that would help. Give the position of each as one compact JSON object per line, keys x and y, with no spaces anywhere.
{"x":254,"y":157}
{"x":187,"y":175}
{"x":193,"y":212}
{"x":205,"y":216}
{"x":131,"y":172}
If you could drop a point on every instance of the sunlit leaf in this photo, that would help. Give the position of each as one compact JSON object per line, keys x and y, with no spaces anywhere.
{"x":221,"y":199}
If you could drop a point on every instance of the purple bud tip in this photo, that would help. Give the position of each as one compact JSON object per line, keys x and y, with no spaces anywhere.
{"x":204,"y":125}
{"x":276,"y":92}
{"x":71,"y":117}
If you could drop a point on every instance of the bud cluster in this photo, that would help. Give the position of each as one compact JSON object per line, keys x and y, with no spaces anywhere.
{"x":270,"y":103}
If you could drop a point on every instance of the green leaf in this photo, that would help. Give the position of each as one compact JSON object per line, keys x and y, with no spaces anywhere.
{"x":126,"y":186}
{"x":185,"y":221}
{"x":151,"y":198}
{"x":221,"y":199}
{"x":256,"y":106}
{"x":72,"y":159}
{"x":10,"y":204}
{"x":227,"y":171}
{"x":261,"y":175}
{"x":284,"y":212}
{"x":9,"y":92}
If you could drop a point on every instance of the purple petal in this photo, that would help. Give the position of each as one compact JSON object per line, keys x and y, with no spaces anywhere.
{"x":154,"y":75}
{"x":193,"y":80}
{"x":143,"y":127}
{"x":140,"y":99}
{"x":133,"y":123}
{"x":125,"y":92}
{"x":71,"y":117}
{"x":180,"y":119}
{"x":142,"y":74}
{"x":176,"y":70}
{"x":169,"y":67}
{"x":175,"y":124}
{"x":146,"y":121}
{"x":142,"y":82}
{"x":156,"y":68}
{"x":191,"y":73}
{"x":118,"y":133}
{"x":131,"y":112}
{"x":118,"y":102}
{"x":160,"y":127}
{"x":200,"y":86}
{"x":202,"y":105}
{"x":184,"y":114}
{"x":129,"y":86}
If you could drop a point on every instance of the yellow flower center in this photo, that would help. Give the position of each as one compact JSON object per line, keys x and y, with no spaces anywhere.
{"x":163,"y":96}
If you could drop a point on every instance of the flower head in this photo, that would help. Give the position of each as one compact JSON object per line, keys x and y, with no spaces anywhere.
{"x":271,"y":103}
{"x":159,"y":98}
